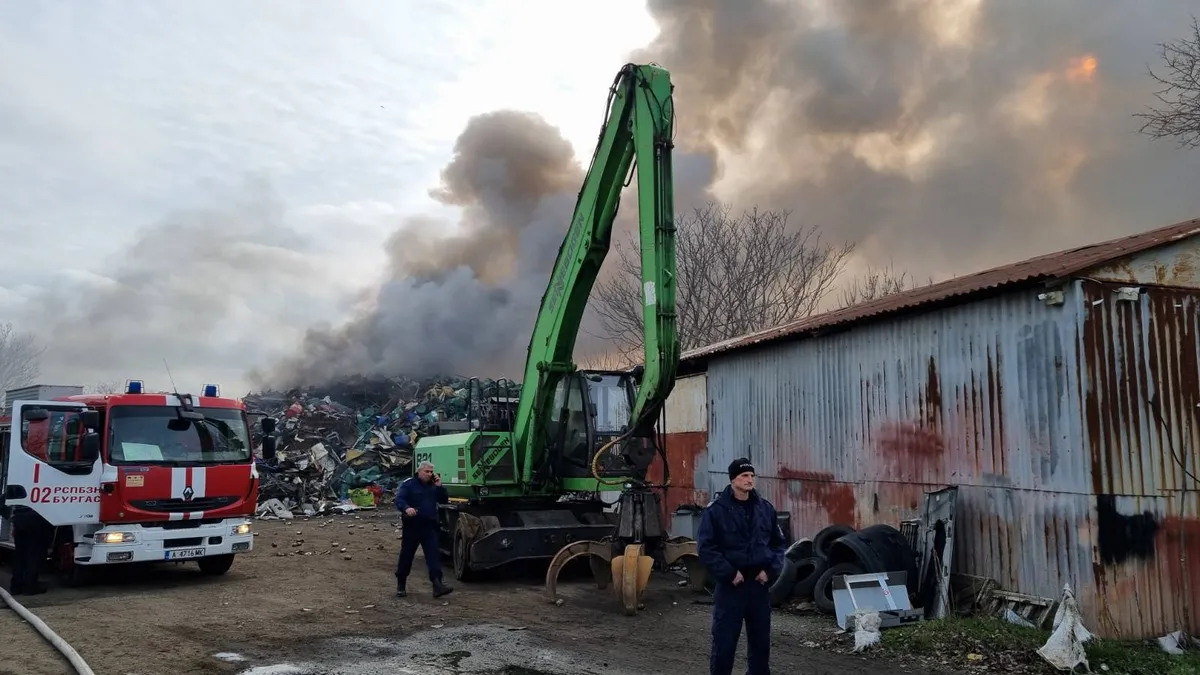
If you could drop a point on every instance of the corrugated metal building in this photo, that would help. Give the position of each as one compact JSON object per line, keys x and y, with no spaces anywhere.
{"x":685,"y":431}
{"x":1060,"y":394}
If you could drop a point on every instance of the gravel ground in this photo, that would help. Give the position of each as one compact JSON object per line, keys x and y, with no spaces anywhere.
{"x":299,"y":605}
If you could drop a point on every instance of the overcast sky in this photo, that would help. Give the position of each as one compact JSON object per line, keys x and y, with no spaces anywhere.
{"x":206,"y":181}
{"x":123,"y":114}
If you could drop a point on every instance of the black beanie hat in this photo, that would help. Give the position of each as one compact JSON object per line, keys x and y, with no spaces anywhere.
{"x":740,"y":466}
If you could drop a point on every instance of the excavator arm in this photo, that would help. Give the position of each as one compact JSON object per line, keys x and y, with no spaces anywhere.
{"x":507,"y":479}
{"x":637,"y":133}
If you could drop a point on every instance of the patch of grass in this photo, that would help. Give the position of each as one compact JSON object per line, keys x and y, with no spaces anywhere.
{"x":1140,"y":658}
{"x":983,"y":642}
{"x":994,"y":645}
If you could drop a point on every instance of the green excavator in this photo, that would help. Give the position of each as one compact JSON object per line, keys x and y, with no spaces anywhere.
{"x":526,"y":477}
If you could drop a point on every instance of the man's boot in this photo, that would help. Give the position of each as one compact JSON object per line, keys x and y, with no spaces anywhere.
{"x":35,"y":588}
{"x":440,"y":588}
{"x":401,"y":591}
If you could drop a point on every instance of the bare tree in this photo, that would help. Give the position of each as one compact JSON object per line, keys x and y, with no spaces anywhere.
{"x":606,"y":361}
{"x":735,"y":275}
{"x":20,"y":358}
{"x":1179,"y":116}
{"x":874,"y":284}
{"x":106,"y":387}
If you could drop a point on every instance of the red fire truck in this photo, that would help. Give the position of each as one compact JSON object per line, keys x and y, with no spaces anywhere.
{"x":133,"y":477}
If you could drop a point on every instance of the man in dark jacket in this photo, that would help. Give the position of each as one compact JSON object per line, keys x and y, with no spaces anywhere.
{"x":741,"y":545}
{"x":417,"y":500}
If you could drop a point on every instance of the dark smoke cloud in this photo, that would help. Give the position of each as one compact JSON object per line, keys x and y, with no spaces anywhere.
{"x":942,"y":135}
{"x":463,"y":303}
{"x":813,"y":106}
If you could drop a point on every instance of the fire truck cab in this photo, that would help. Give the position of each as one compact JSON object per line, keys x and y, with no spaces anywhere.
{"x":133,"y":477}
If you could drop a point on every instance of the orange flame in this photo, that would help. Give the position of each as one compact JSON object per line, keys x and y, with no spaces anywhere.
{"x":1082,"y":68}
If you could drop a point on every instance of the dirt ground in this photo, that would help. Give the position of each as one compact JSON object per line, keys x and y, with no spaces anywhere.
{"x":298,"y":599}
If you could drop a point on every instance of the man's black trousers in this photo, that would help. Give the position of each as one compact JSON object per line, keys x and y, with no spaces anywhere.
{"x":422,"y":533}
{"x":749,"y":602}
{"x":32,"y":537}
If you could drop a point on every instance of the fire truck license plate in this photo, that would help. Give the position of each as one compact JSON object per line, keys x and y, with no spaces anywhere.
{"x":185,"y":553}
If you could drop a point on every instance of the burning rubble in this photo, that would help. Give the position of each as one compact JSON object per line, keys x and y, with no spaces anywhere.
{"x":348,"y":445}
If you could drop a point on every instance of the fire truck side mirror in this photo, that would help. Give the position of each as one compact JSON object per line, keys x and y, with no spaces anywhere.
{"x":268,"y":425}
{"x":90,"y":419}
{"x":268,"y":447}
{"x":90,"y":446}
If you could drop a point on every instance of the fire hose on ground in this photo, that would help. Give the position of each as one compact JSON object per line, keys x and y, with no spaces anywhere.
{"x":53,"y":638}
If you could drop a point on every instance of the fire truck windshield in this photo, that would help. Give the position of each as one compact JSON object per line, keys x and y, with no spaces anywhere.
{"x":156,"y":435}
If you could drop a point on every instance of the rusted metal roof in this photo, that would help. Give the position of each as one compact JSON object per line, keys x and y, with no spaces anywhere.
{"x":1042,"y":268}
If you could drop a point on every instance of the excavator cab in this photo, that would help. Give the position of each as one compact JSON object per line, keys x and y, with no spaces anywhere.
{"x":592,"y":408}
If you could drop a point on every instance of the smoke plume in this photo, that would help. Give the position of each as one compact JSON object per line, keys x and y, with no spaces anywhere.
{"x":946,"y":135}
{"x":462,"y":302}
{"x":941,"y":136}
{"x":205,"y":290}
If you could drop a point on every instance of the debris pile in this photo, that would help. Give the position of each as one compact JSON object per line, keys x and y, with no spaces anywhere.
{"x":345,"y":446}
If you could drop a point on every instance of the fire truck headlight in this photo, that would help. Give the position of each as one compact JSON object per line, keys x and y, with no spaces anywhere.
{"x":116,"y":537}
{"x":241,"y":529}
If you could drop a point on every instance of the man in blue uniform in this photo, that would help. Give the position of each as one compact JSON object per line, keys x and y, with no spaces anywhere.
{"x":741,"y":545}
{"x":417,"y":500}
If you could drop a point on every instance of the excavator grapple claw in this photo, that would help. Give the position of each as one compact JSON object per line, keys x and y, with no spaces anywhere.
{"x":631,"y":573}
{"x":599,"y":555}
{"x":682,"y":549}
{"x":628,"y":570}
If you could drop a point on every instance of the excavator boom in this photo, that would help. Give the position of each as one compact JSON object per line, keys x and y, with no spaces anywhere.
{"x":638,"y":131}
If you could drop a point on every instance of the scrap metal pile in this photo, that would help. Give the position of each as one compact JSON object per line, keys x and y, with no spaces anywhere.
{"x":348,"y":445}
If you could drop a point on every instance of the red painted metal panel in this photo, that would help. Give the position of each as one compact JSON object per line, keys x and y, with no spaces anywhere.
{"x":686,"y":453}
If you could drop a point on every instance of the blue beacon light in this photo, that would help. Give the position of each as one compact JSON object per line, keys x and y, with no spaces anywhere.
{"x":211,"y":390}
{"x":133,"y":387}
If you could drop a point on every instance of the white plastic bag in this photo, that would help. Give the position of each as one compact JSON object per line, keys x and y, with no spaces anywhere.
{"x":1064,"y":650}
{"x":866,"y":629}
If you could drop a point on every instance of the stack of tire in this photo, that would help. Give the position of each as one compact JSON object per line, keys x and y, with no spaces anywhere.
{"x":810,"y":565}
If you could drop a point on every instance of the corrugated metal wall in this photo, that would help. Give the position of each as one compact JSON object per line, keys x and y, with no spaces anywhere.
{"x":1011,"y":400}
{"x":1142,"y":426}
{"x":685,"y":427}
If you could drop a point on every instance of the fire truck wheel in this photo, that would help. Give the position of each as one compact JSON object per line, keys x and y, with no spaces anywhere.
{"x":75,"y":576}
{"x":69,"y":573}
{"x":217,"y":564}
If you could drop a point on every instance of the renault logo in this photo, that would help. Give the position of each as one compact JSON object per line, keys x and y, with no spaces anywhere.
{"x":187,"y":493}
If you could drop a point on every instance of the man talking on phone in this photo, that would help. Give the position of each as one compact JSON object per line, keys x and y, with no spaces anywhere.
{"x":417,"y":500}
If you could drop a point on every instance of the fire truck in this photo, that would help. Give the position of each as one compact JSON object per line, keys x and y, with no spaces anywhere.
{"x":132,"y":477}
